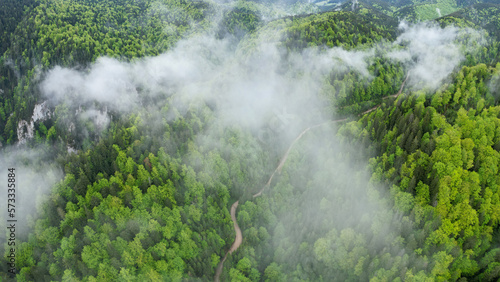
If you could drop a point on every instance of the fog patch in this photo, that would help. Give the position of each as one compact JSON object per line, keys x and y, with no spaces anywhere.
{"x":432,"y":53}
{"x":35,"y":174}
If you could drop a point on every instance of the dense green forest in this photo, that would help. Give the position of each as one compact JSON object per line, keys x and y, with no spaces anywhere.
{"x":358,"y":144}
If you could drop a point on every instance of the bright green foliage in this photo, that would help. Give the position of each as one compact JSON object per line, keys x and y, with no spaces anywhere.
{"x":76,"y":33}
{"x":343,"y":29}
{"x":452,"y":173}
{"x":243,"y":18}
{"x":148,"y":198}
{"x":427,"y":11}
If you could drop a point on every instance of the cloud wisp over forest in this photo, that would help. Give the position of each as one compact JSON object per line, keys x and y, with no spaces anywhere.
{"x":274,"y":96}
{"x":249,"y":90}
{"x":432,"y":53}
{"x":250,"y":140}
{"x":35,"y":176}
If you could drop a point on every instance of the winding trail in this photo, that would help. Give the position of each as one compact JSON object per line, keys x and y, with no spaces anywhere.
{"x":387,"y":97}
{"x":236,"y":244}
{"x":239,"y":236}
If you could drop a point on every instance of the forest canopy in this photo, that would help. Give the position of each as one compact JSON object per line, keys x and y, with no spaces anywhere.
{"x":355,"y":140}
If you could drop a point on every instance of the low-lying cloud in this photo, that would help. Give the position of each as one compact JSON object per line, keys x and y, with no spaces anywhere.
{"x":265,"y":90}
{"x":431,"y":52}
{"x":34,"y":174}
{"x":204,"y":66}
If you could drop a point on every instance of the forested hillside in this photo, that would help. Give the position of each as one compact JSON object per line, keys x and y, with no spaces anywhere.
{"x":181,"y":140}
{"x":483,"y":15}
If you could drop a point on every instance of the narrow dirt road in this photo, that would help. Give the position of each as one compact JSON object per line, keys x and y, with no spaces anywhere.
{"x":400,"y":89}
{"x":237,"y":241}
{"x":387,"y":97}
{"x":239,"y":237}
